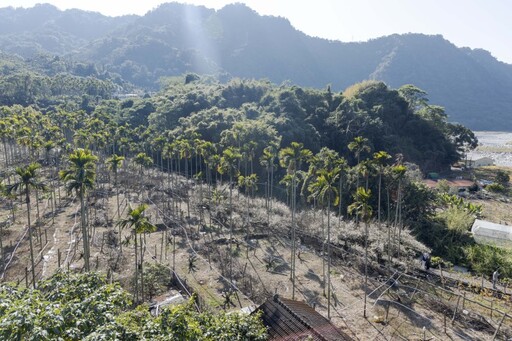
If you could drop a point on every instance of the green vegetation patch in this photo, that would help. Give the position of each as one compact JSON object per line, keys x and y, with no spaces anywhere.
{"x":84,"y":307}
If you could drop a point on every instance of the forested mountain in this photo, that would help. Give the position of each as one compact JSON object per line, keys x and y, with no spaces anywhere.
{"x":44,"y":28}
{"x":206,"y":151}
{"x":235,"y":41}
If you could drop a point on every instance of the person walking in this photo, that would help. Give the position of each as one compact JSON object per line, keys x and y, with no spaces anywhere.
{"x":495,"y":278}
{"x":425,"y":260}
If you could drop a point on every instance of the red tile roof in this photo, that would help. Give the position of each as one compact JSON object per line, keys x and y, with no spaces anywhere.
{"x":289,"y":320}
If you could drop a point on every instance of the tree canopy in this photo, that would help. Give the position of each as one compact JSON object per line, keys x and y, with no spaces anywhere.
{"x":85,"y":307}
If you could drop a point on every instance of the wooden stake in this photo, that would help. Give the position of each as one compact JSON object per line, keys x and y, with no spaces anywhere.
{"x":174,"y":253}
{"x":492,"y":308}
{"x":444,"y":323}
{"x":52,"y":204}
{"x":39,"y":235}
{"x":442,"y":277}
{"x":238,"y":298}
{"x":456,"y":308}
{"x":210,"y":260}
{"x":2,"y":247}
{"x":58,"y":257}
{"x":499,"y":326}
{"x":162,"y":247}
{"x":166,"y":247}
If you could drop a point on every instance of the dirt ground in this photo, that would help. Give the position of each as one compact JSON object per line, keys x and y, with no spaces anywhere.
{"x":399,"y":305}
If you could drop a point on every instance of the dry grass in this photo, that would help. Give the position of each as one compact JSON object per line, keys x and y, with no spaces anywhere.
{"x":258,"y":266}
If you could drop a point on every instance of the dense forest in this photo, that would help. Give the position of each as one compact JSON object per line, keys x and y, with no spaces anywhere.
{"x":397,"y":121}
{"x":235,"y":42}
{"x":357,"y":156}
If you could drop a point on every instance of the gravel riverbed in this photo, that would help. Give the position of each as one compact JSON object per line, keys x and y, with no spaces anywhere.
{"x":494,"y":144}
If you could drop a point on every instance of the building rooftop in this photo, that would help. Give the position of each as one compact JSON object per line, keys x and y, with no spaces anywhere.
{"x":293,"y":320}
{"x":486,"y":232}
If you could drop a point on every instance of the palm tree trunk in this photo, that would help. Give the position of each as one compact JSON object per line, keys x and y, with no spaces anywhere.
{"x":329,"y":258}
{"x":27,"y":194}
{"x":5,"y":153}
{"x":322,"y":223}
{"x":200,"y":179}
{"x":267,"y":191}
{"x":357,"y":180}
{"x":136,"y":271}
{"x":85,"y":235}
{"x":187,"y":175}
{"x":389,"y":227}
{"x":117,"y":195}
{"x":396,"y":210}
{"x":230,"y":226}
{"x":247,"y":222}
{"x":169,"y":171}
{"x":2,"y":248}
{"x":142,"y":248}
{"x":267,"y":187}
{"x":365,"y":266}
{"x":399,"y":216}
{"x":161,"y":161}
{"x":38,"y":217}
{"x":173,"y":251}
{"x":293,"y":237}
{"x":339,"y":204}
{"x":271,"y":183}
{"x":378,"y":203}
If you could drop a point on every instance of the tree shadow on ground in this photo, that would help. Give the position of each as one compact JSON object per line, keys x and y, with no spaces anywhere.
{"x":414,"y":317}
{"x":310,"y":274}
{"x":313,"y":298}
{"x":281,"y":266}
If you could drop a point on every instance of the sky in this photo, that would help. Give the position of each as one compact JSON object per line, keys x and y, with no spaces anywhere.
{"x":483,"y":24}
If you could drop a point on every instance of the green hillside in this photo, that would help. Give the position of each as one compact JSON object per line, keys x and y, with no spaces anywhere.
{"x":235,"y":41}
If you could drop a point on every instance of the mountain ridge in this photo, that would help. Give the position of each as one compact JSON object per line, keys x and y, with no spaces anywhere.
{"x":235,"y":41}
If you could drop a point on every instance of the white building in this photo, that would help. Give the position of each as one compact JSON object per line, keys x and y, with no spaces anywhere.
{"x":482,"y":162}
{"x":489,"y":233}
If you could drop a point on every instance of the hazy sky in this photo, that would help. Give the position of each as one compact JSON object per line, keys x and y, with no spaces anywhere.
{"x":483,"y":24}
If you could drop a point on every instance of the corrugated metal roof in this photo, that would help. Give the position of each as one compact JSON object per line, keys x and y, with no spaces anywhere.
{"x":289,"y":320}
{"x":486,"y":232}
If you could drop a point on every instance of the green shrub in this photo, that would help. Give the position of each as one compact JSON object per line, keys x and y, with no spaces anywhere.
{"x":496,"y":188}
{"x":443,"y":186}
{"x":157,"y":278}
{"x":436,"y":261}
{"x":457,"y":219}
{"x":502,"y":178}
{"x":85,"y":307}
{"x":485,"y":259}
{"x":473,"y":188}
